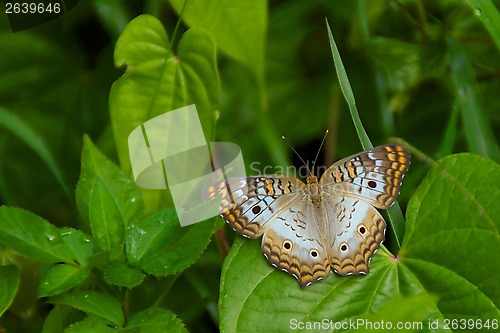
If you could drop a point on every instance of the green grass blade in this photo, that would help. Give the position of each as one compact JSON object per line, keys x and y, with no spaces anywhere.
{"x":488,"y":14}
{"x":478,"y":130}
{"x":25,"y":133}
{"x":345,"y":85}
{"x":450,"y":135}
{"x":395,"y":214}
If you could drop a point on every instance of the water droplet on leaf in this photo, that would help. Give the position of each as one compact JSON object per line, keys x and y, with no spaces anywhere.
{"x":54,"y":238}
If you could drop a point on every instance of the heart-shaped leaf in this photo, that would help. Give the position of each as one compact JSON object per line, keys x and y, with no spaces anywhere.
{"x":158,"y":81}
{"x":223,"y":18}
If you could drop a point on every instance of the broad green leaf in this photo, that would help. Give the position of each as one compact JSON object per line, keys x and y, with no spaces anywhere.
{"x":409,"y":317}
{"x":157,"y":81}
{"x":92,"y":324}
{"x":32,"y":236}
{"x":449,"y":253}
{"x":238,"y":26}
{"x":9,"y":280}
{"x":61,"y":278}
{"x":160,"y":246}
{"x":453,"y":235}
{"x":255,"y":297}
{"x":478,"y":130}
{"x":156,"y":320}
{"x":29,"y":136}
{"x":94,"y":303}
{"x":120,"y":274}
{"x":107,"y":199}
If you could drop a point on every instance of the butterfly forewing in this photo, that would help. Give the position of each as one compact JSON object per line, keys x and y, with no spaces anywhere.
{"x":374,"y":176}
{"x":250,"y":204}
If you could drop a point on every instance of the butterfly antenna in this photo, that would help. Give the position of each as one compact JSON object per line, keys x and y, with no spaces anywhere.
{"x":283,"y":137}
{"x":320,"y":146}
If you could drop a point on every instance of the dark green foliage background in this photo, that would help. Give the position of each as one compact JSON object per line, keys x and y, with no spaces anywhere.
{"x":424,"y":71}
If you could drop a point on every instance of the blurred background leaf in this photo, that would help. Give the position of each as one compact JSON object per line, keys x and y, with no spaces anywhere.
{"x":425,"y":71}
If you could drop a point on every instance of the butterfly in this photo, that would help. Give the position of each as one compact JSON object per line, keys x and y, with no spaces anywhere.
{"x":312,"y":228}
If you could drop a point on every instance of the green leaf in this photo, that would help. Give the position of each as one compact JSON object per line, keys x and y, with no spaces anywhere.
{"x":448,"y":253}
{"x":78,"y":244}
{"x":105,"y":219}
{"x":156,"y":320}
{"x":32,"y":236}
{"x":157,"y":81}
{"x":61,"y":278}
{"x":238,"y":26}
{"x":411,"y":312}
{"x":92,"y":324}
{"x":9,"y":280}
{"x":160,"y":246}
{"x":453,"y":230}
{"x":120,"y":274}
{"x":30,"y":137}
{"x":107,"y":199}
{"x":94,"y":303}
{"x":255,"y":297}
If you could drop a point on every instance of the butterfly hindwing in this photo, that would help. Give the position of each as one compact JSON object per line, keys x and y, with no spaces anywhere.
{"x":293,"y":243}
{"x":357,"y":231}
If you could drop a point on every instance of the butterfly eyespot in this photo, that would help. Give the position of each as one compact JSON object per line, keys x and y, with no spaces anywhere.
{"x":314,"y":253}
{"x":343,"y":247}
{"x":287,"y":245}
{"x":361,"y":229}
{"x":256,"y":209}
{"x":372,"y":184}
